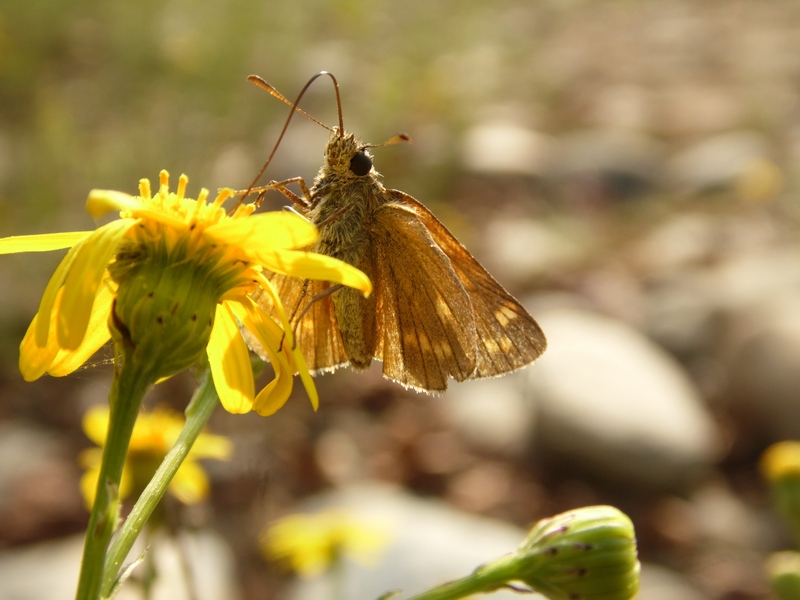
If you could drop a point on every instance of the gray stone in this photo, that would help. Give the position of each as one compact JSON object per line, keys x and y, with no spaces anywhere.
{"x":520,"y":250}
{"x":497,"y":148}
{"x":762,"y":359}
{"x":610,"y":399}
{"x":612,"y":162}
{"x":430,"y":544}
{"x":717,"y":161}
{"x":493,"y":414}
{"x":660,"y":583}
{"x":49,"y":571}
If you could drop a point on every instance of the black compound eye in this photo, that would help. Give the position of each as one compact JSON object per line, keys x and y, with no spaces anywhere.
{"x":360,"y":164}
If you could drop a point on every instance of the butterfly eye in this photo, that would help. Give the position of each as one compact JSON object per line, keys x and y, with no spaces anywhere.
{"x":360,"y":164}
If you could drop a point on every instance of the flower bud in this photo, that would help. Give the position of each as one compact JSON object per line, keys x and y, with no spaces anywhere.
{"x":165,"y":306}
{"x":783,"y":571}
{"x":586,"y":554}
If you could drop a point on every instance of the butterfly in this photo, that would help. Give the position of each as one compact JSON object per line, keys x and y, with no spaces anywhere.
{"x":435,"y":312}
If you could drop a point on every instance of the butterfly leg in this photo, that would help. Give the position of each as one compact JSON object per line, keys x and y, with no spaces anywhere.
{"x":305,"y":200}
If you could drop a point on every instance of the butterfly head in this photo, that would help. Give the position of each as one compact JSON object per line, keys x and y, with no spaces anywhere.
{"x":347,"y":157}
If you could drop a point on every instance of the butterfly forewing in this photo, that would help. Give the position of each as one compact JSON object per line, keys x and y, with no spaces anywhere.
{"x":426,"y":321}
{"x":508,"y":338}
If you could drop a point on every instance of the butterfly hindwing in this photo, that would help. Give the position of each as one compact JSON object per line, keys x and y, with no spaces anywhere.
{"x":316,"y":332}
{"x":508,"y":338}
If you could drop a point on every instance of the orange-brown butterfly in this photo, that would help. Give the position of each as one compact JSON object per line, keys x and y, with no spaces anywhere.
{"x":435,"y":312}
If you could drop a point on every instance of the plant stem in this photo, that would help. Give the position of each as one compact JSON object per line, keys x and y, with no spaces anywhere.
{"x":197,"y":414}
{"x":485,"y":578}
{"x":129,"y":387}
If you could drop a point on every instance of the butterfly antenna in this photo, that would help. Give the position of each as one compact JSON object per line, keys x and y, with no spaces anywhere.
{"x":268,"y":87}
{"x":395,"y":139}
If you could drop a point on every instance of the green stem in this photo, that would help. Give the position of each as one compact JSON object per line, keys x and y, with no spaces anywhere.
{"x":127,"y":391}
{"x":485,"y":578}
{"x":197,"y":414}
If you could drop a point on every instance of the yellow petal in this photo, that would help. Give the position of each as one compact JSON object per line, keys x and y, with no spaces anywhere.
{"x":48,"y":307}
{"x":101,"y":202}
{"x":305,"y":377}
{"x":95,"y":423}
{"x":84,"y":277}
{"x":297,"y":362}
{"x":97,"y":334}
{"x":190,"y":484}
{"x":41,"y":243}
{"x":314,"y":266}
{"x":88,"y":482}
{"x":34,"y":360}
{"x":268,"y":231}
{"x":270,"y":399}
{"x":208,"y":445}
{"x":229,"y":361}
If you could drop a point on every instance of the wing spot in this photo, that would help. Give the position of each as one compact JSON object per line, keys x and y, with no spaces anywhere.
{"x":443,"y":352}
{"x":442,"y":309}
{"x":506,"y":344}
{"x":490,"y":345}
{"x":504,"y":315}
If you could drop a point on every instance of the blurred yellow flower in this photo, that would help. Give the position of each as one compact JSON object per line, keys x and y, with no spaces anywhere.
{"x":781,"y":460}
{"x":312,"y":542}
{"x":153,"y":436}
{"x":191,"y":241}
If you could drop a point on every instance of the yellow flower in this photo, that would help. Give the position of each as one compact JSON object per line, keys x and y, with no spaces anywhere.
{"x":780,"y":466}
{"x":312,"y":542}
{"x":98,"y":286}
{"x":153,"y":436}
{"x":781,"y":461}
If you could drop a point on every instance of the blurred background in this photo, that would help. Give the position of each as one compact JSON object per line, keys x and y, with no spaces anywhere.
{"x":628,"y":169}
